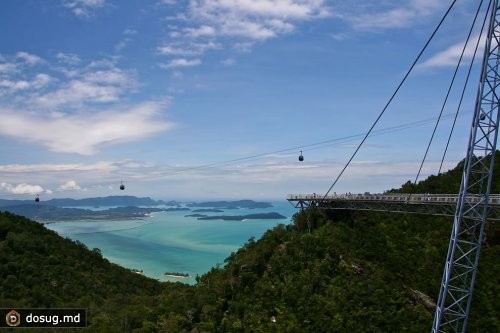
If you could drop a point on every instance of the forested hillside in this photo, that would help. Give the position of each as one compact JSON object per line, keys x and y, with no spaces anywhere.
{"x":348,"y":272}
{"x":447,"y":182}
{"x":40,"y":269}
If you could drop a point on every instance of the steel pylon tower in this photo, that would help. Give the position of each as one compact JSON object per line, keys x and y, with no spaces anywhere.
{"x":467,"y":235}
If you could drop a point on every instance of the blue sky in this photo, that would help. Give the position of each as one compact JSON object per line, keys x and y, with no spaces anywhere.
{"x":214,"y":99}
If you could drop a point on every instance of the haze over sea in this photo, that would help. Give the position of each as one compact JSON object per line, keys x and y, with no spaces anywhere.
{"x":171,"y":242}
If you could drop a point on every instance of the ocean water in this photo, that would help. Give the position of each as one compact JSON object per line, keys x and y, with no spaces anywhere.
{"x":170,"y":241}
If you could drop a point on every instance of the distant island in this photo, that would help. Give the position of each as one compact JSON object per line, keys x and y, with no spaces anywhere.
{"x":263,"y":216}
{"x":176,"y":209}
{"x":115,"y":200}
{"x":128,"y":207}
{"x":195,"y":215}
{"x":109,"y":201}
{"x":231,"y":204}
{"x":51,"y":213}
{"x":177,"y":274}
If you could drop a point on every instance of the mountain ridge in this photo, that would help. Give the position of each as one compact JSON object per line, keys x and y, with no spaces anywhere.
{"x":113,"y":200}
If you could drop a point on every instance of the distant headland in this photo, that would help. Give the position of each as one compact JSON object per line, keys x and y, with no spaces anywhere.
{"x":262,"y":216}
{"x":177,"y":275}
{"x":129,"y":207}
{"x":231,"y":204}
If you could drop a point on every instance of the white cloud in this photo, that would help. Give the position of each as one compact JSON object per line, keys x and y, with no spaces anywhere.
{"x":69,"y":177}
{"x":77,"y":92}
{"x":68,"y":58}
{"x":129,"y":32}
{"x":243,"y":46}
{"x":30,"y":59}
{"x":127,"y":39}
{"x":39,"y":81}
{"x":340,"y":36}
{"x":167,"y":2}
{"x":102,"y":166}
{"x":99,"y":82}
{"x":7,"y":68}
{"x":22,"y":188}
{"x":393,"y":18}
{"x":14,"y":85}
{"x":187,"y":49}
{"x":89,"y":86}
{"x":451,"y":55}
{"x":204,"y":30}
{"x":69,"y":185}
{"x":83,"y":8}
{"x":254,"y":19}
{"x":298,"y":9}
{"x":215,"y":24}
{"x":388,"y":14}
{"x":229,"y":61}
{"x":112,"y":76}
{"x":181,"y":62}
{"x":277,"y":176}
{"x":16,"y":77}
{"x":85,"y":133}
{"x":79,"y":113}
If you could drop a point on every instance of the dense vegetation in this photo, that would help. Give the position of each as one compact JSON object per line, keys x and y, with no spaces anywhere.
{"x":335,"y":272}
{"x":448,"y":182}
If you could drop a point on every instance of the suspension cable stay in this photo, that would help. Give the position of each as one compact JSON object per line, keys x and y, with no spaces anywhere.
{"x":467,"y":235}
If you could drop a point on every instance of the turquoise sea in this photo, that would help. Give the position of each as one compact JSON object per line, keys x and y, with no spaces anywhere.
{"x":171,"y":242}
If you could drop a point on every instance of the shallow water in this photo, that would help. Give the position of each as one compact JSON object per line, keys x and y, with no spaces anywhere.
{"x":171,"y":242}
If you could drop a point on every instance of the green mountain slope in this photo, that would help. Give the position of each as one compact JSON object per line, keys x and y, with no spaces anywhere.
{"x":357,"y":273}
{"x":448,"y":182}
{"x":39,"y":269}
{"x":352,"y":272}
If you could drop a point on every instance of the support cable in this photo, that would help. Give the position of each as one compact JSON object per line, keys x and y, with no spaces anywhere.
{"x":463,"y":91}
{"x":308,"y":147}
{"x":390,"y":99}
{"x":452,"y":82}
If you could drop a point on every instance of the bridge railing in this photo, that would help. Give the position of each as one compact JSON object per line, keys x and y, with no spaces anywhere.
{"x":494,"y":199}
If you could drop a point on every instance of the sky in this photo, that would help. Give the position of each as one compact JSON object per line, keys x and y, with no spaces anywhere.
{"x":216,"y":99}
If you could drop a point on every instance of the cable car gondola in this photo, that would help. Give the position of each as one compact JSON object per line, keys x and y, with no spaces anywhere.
{"x":301,"y":157}
{"x":37,"y":199}
{"x":122,"y":187}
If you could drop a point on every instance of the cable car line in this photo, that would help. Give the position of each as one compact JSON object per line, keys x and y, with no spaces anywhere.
{"x":390,"y":99}
{"x":462,"y":96}
{"x":314,"y":146}
{"x":303,"y":148}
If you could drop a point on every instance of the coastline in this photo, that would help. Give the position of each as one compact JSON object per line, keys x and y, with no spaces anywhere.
{"x":177,"y":275}
{"x":170,"y":242}
{"x":140,"y":225}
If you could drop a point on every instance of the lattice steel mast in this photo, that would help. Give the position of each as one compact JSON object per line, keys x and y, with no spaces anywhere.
{"x":467,"y":235}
